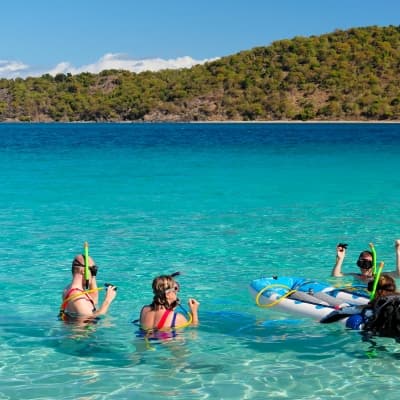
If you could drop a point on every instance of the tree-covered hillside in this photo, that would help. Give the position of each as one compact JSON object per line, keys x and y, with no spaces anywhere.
{"x":344,"y":75}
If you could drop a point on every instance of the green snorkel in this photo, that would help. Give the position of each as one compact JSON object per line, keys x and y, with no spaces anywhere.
{"x":376,"y":280}
{"x":86,"y":254}
{"x":373,"y":251}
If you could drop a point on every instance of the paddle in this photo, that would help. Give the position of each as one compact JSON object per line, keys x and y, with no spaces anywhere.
{"x":337,"y":315}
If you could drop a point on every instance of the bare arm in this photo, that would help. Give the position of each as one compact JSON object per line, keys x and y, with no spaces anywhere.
{"x":95,"y":294}
{"x":340,"y":255}
{"x":110,"y":296}
{"x":194,"y":307}
{"x":397,"y":247}
{"x":396,"y":273}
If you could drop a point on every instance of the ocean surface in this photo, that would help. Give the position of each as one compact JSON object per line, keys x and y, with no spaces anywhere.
{"x":221,"y":203}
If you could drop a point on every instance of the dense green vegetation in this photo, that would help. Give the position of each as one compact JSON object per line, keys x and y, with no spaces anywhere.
{"x":344,"y":75}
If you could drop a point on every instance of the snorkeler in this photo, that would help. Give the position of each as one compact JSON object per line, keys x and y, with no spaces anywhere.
{"x":80,"y":297}
{"x":365,"y":262}
{"x":162,"y":312}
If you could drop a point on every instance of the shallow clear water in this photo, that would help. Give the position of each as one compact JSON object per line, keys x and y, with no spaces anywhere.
{"x":223,"y":204}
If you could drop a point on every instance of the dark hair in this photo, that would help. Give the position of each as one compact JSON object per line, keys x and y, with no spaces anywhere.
{"x":362,"y":262}
{"x":365,"y":253}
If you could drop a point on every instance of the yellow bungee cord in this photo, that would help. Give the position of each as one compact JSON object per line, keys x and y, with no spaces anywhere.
{"x":76,"y":295}
{"x":277,"y":301}
{"x":184,"y":325}
{"x":73,"y":296}
{"x":149,"y":331}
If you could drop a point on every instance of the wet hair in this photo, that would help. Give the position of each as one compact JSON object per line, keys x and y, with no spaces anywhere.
{"x":386,"y":286}
{"x":77,"y":264}
{"x":362,"y":262}
{"x":160,"y":285}
{"x":365,"y":253}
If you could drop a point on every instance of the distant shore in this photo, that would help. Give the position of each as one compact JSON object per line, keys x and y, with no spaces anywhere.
{"x":202,"y":122}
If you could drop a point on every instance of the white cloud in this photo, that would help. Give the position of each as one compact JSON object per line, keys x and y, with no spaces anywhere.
{"x":13,"y":69}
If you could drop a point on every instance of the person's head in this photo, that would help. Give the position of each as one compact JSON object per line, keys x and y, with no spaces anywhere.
{"x":365,"y":263}
{"x":386,"y":286}
{"x":165,"y":290}
{"x":78,"y":266}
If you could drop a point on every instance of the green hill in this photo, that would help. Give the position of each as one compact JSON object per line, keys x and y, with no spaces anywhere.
{"x":344,"y":75}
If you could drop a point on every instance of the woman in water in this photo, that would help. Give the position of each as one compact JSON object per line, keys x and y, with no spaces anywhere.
{"x":161,"y":314}
{"x":364,"y":263}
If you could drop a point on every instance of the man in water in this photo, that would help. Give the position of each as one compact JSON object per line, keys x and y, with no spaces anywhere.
{"x":364,"y":262}
{"x":80,"y":298}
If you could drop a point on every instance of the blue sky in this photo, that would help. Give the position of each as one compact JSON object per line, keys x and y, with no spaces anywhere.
{"x":51,"y":36}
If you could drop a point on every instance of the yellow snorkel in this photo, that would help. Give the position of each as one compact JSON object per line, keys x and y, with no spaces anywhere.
{"x":86,"y":254}
{"x":376,"y":280}
{"x":373,"y":251}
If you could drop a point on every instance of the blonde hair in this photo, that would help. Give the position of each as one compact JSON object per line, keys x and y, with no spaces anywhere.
{"x":160,"y":285}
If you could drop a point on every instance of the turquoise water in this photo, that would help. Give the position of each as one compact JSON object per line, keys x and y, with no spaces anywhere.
{"x":223,"y":204}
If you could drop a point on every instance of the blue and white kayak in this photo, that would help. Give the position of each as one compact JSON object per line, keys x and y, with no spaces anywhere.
{"x":305,"y":297}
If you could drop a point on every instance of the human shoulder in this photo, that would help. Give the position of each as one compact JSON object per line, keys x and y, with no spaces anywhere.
{"x":69,"y":291}
{"x":146,"y":309}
